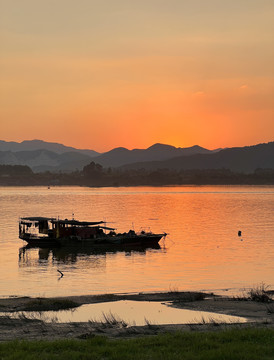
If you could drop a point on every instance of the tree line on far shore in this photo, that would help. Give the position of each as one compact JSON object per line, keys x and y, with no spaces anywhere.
{"x":95,"y":175}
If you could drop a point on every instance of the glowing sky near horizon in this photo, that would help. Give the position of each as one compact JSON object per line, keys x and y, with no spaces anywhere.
{"x":100,"y":74}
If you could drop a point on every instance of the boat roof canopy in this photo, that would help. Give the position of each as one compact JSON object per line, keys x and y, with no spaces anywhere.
{"x":37,"y":218}
{"x":65,"y":221}
{"x":76,"y":222}
{"x":106,"y":228}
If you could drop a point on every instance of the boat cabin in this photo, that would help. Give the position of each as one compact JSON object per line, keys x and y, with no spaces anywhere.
{"x":53,"y":228}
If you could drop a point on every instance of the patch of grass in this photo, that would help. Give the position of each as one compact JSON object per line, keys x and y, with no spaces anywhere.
{"x":210,"y":321}
{"x":236,"y":344}
{"x":150,"y":325}
{"x":259,"y":293}
{"x":109,"y":321}
{"x":173,"y":290}
{"x":189,"y":297}
{"x":43,"y":304}
{"x":186,"y":296}
{"x":241,"y":297}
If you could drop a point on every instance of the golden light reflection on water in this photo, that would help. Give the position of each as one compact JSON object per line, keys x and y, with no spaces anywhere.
{"x":131,"y":313}
{"x":202,"y":251}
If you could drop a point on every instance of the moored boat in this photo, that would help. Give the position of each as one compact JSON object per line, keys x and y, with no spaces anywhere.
{"x":42,"y":231}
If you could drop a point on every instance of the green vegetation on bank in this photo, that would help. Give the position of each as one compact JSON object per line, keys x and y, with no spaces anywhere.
{"x":251,"y":343}
{"x":95,"y":175}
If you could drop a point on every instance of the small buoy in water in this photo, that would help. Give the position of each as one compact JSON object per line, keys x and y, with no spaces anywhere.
{"x":239,"y":233}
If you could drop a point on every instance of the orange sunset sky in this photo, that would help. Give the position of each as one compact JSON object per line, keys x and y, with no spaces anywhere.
{"x":100,"y":74}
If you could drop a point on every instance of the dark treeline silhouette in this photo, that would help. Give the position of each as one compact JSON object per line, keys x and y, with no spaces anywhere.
{"x":95,"y":175}
{"x":15,"y":174}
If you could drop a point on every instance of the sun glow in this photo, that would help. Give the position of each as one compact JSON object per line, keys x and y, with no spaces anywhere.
{"x":99,"y":83}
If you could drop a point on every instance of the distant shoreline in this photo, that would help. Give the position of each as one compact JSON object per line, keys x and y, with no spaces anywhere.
{"x":94,"y":175}
{"x":136,"y":186}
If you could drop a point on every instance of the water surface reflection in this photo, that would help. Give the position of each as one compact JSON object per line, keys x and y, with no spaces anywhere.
{"x":133,"y":313}
{"x":202,"y":252}
{"x":33,"y":256}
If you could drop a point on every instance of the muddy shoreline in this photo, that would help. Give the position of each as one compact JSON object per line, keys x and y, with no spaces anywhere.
{"x":257,"y":313}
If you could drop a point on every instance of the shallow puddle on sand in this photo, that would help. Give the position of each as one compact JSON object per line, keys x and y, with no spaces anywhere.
{"x":132,"y":313}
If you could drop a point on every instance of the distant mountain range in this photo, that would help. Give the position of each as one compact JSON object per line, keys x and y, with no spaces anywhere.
{"x":239,"y":159}
{"x":43,"y":156}
{"x":31,"y":145}
{"x":157,"y":152}
{"x":44,"y":160}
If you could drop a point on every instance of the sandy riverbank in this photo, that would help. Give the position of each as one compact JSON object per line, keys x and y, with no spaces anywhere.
{"x":257,"y":313}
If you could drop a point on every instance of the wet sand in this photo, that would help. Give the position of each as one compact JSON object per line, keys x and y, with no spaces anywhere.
{"x":257,"y":313}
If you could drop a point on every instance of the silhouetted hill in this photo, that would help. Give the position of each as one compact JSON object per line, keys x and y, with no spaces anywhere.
{"x":121,"y":156}
{"x":158,"y":156}
{"x":245,"y":159}
{"x":44,"y":160}
{"x":36,"y":154}
{"x":31,"y":145}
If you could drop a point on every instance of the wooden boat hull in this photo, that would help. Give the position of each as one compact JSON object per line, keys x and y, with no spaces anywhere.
{"x":142,"y":240}
{"x":39,"y":241}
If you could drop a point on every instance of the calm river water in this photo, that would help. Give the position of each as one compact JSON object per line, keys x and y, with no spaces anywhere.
{"x":201,"y":252}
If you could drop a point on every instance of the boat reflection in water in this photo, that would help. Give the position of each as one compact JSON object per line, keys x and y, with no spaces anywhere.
{"x":68,"y":255}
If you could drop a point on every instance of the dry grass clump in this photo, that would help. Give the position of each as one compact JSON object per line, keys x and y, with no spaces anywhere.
{"x":109,"y":321}
{"x":260,"y":294}
{"x":187,"y":296}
